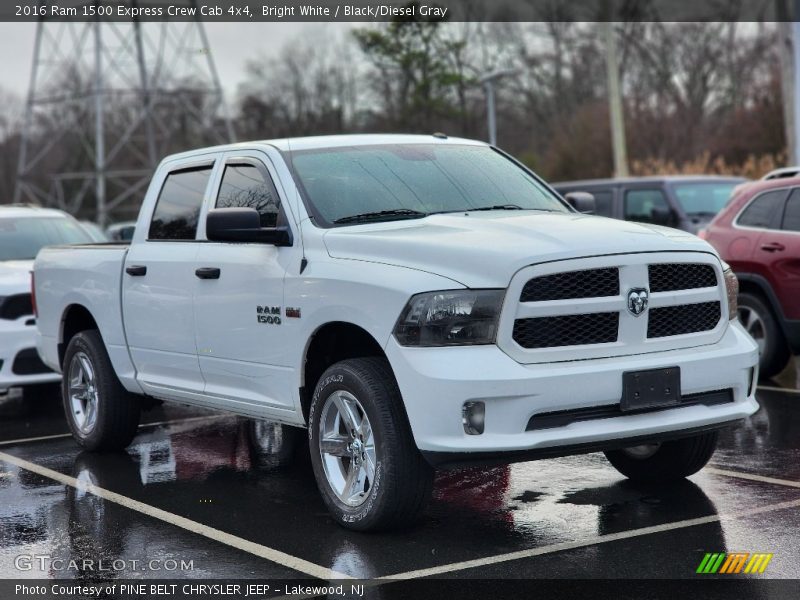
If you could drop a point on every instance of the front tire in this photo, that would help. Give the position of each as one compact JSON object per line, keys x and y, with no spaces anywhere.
{"x":368,"y":469}
{"x":102,"y":415}
{"x":665,"y":461}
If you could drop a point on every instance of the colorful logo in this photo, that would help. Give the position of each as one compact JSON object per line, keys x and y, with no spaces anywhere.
{"x":734,"y":562}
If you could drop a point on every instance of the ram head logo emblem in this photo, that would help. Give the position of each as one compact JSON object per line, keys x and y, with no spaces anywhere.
{"x":637,"y":301}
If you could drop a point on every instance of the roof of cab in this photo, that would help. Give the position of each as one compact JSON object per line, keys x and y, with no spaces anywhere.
{"x":16,"y":211}
{"x":332,"y":141}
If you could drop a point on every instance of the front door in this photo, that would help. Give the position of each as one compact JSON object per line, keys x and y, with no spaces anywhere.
{"x":239,"y":311}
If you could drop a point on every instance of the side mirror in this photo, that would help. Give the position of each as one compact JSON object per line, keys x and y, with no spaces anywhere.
{"x":662,"y":215}
{"x":583,"y":202}
{"x":243,"y":225}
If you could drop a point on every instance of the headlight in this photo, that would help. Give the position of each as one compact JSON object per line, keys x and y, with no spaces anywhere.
{"x":450,"y":318}
{"x":732,"y":290}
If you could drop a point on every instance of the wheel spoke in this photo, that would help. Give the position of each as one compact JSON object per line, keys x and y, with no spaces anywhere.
{"x":369,"y":465}
{"x":351,"y":483}
{"x":86,"y":366}
{"x":334,"y":445}
{"x":89,"y":411}
{"x":347,"y":412}
{"x":79,"y":390}
{"x":365,"y":430}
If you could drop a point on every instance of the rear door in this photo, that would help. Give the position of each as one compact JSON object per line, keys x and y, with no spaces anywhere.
{"x":239,"y":312}
{"x":778,"y":253}
{"x":158,"y":283}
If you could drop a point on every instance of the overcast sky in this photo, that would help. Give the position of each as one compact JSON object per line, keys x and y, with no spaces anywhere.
{"x":232,"y":44}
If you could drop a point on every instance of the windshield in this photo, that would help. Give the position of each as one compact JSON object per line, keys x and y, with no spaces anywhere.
{"x":705,"y":198}
{"x":401,"y":181}
{"x":22,"y":238}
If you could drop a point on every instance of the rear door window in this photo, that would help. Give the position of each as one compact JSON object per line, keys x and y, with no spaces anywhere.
{"x":764,"y":211}
{"x":178,"y":205}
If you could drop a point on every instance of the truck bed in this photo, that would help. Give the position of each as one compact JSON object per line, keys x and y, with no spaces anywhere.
{"x":89,"y":275}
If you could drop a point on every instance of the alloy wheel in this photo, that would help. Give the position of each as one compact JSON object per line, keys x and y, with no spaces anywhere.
{"x":347,"y":448}
{"x":82,"y":391}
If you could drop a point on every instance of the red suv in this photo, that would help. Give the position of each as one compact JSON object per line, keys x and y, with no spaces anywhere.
{"x":758,"y":234}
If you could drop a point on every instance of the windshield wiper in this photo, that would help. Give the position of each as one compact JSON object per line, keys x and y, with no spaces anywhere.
{"x":380,"y":214}
{"x":496,"y":207}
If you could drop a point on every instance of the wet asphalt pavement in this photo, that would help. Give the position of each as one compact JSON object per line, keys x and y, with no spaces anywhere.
{"x":197,"y":486}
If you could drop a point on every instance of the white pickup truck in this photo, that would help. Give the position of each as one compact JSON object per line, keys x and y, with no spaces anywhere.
{"x":414,"y":301}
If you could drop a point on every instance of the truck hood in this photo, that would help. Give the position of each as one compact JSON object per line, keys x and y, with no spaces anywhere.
{"x":15,"y":276}
{"x":486,"y":249}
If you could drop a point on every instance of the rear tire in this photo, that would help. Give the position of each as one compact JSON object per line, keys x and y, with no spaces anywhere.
{"x":666,"y":461}
{"x":757,"y":318}
{"x":357,"y":410}
{"x":102,"y":415}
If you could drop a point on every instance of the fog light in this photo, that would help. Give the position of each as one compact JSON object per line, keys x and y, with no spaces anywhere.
{"x":473,"y":416}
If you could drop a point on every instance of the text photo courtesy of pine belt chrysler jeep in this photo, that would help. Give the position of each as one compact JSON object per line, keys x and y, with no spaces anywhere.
{"x":415,"y":302}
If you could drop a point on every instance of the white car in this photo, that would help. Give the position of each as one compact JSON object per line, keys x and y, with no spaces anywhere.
{"x":416,"y":302}
{"x":782,"y":173}
{"x":24,"y":230}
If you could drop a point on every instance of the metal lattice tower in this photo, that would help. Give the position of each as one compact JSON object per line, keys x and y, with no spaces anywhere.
{"x":106,"y":101}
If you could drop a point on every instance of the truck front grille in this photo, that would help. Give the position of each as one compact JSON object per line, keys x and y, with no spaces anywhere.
{"x":568,"y":330}
{"x":578,"y":308}
{"x":589,"y":283}
{"x":667,"y":277}
{"x":14,"y":307}
{"x":683,"y":319}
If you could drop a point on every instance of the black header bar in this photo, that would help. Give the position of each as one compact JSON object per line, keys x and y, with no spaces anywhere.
{"x":381,"y":11}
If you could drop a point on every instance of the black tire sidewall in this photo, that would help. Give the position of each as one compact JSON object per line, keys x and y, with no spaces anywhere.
{"x":674,"y":459}
{"x":341,"y":377}
{"x":108,"y":388}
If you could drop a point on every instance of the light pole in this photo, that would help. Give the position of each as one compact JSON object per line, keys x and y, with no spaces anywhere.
{"x":615,"y":104}
{"x":488,"y":82}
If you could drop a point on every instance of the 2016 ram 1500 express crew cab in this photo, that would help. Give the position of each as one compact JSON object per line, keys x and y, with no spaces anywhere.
{"x":414,"y":302}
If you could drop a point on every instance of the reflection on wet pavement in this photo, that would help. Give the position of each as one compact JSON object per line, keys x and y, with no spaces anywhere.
{"x":255,"y":482}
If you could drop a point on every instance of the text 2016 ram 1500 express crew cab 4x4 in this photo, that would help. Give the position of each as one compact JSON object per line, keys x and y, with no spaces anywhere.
{"x":415,"y":302}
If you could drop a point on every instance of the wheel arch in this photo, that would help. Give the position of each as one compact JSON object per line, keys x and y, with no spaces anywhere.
{"x":330,"y":343}
{"x":76,"y":318}
{"x":758,"y":285}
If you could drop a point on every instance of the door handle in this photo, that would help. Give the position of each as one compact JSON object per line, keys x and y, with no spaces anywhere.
{"x":773,"y":247}
{"x":136,"y":270}
{"x":207,"y":273}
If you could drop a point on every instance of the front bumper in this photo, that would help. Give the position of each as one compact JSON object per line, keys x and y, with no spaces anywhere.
{"x":436,"y":382}
{"x":19,"y":363}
